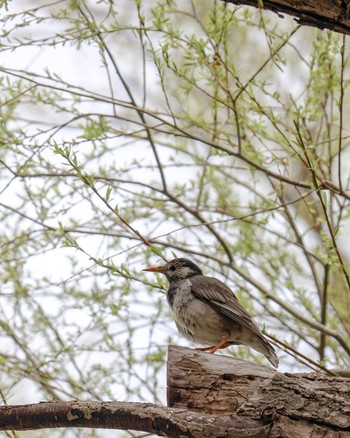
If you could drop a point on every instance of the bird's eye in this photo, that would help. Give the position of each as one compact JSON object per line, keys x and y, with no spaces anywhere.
{"x":172,"y":268}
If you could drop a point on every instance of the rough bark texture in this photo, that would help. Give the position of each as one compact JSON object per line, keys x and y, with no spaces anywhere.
{"x":292,"y":405}
{"x":210,"y":396}
{"x":329,"y":14}
{"x":147,"y":417}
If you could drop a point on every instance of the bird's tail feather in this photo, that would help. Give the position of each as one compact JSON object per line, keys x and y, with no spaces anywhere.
{"x":263,"y":346}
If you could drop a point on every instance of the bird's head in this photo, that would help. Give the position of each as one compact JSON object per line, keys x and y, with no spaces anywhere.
{"x":177,"y":269}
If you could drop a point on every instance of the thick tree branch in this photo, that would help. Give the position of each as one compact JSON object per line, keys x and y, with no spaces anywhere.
{"x":333,"y":15}
{"x":292,"y":404}
{"x":146,"y":417}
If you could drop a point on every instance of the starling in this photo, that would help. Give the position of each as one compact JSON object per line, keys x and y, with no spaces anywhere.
{"x":207,"y":312}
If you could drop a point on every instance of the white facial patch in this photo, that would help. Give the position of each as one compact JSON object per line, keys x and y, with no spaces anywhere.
{"x":184,"y":272}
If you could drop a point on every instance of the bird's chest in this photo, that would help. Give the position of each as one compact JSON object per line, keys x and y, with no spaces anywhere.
{"x":194,"y":319}
{"x":180,"y":296}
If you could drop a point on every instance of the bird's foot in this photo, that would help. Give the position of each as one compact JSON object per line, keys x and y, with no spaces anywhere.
{"x":204,"y":348}
{"x":222,"y":344}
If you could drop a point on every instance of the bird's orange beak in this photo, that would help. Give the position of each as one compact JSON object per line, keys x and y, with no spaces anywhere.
{"x":155,"y":269}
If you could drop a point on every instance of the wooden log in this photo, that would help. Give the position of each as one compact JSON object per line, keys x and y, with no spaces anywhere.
{"x":293,"y":405}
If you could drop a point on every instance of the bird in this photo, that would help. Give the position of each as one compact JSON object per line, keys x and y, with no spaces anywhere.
{"x":207,"y":312}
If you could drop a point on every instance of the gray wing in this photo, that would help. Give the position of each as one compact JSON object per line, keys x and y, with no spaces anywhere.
{"x":215,"y":293}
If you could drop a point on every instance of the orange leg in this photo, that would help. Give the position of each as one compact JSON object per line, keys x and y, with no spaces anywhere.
{"x":221,"y":344}
{"x":204,"y":348}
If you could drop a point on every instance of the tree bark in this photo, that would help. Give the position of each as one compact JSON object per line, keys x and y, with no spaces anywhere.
{"x":145,"y":417}
{"x":329,"y":14}
{"x":210,"y":396}
{"x":292,"y":405}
